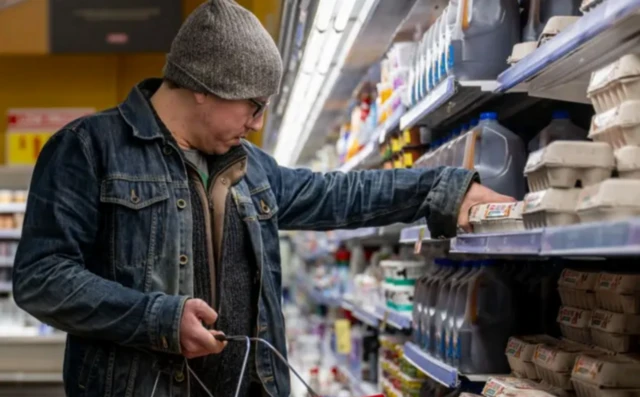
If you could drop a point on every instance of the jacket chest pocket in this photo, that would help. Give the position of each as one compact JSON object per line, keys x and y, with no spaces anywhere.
{"x":137,"y":210}
{"x":259,"y":204}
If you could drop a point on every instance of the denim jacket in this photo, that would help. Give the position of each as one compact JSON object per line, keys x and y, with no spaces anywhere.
{"x":108,"y":228}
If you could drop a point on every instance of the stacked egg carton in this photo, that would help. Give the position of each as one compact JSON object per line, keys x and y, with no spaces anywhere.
{"x":553,"y":173}
{"x":615,"y":93}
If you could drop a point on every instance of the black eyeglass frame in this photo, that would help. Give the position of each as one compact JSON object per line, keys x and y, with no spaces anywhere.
{"x":260,"y":107}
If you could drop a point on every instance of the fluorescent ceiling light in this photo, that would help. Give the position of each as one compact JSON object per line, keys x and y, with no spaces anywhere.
{"x":313,"y":50}
{"x":324,"y":13}
{"x":329,"y":51}
{"x":346,"y":7}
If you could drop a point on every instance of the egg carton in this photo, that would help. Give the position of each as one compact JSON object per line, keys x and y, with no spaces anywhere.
{"x":520,"y":351}
{"x":607,"y":371}
{"x":628,"y":162}
{"x":497,"y":217}
{"x":521,"y":50}
{"x":554,"y":27}
{"x":554,"y":363}
{"x":615,"y":83}
{"x":615,"y":331}
{"x":619,"y":126}
{"x":619,"y":293}
{"x":588,"y":5}
{"x":550,"y":207}
{"x":585,"y":389}
{"x":574,"y":324}
{"x":562,"y":164}
{"x":577,"y":289}
{"x":508,"y":386}
{"x":611,"y":200}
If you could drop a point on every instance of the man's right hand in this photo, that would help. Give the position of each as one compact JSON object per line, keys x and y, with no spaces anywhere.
{"x":196,"y":340}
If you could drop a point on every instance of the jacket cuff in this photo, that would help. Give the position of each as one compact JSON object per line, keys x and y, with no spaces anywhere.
{"x":445,"y":199}
{"x":164,"y":323}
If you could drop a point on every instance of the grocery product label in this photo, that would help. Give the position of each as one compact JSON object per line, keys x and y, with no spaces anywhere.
{"x":587,"y":367}
{"x":407,"y":137}
{"x":578,"y":280}
{"x":395,"y":144}
{"x":609,"y":282}
{"x":515,"y":347}
{"x":600,"y":319}
{"x":573,"y":317}
{"x":588,"y":196}
{"x":343,"y":336}
{"x":476,"y":213}
{"x":532,"y":201}
{"x":544,"y":354}
{"x":495,"y":211}
{"x":408,"y":159}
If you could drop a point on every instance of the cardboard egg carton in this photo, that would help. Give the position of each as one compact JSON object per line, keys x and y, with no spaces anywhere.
{"x":550,"y":207}
{"x":618,"y":293}
{"x":615,"y":83}
{"x":574,"y":324}
{"x":521,"y":50}
{"x":619,"y":126}
{"x":606,"y":376}
{"x":506,"y":386}
{"x":577,"y":289}
{"x":497,"y":217}
{"x":610,"y":200}
{"x":555,"y":25}
{"x":616,"y":332}
{"x":562,"y":164}
{"x":555,"y":362}
{"x":520,"y":352}
{"x":588,"y":5}
{"x":628,"y":162}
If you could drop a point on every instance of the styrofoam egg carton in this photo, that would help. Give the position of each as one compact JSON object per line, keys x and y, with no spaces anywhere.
{"x":555,"y":362}
{"x":551,"y":207}
{"x":561,"y":164}
{"x":574,"y":324}
{"x":577,"y":289}
{"x":628,"y":162}
{"x":520,"y":352}
{"x":617,"y":332}
{"x":615,"y":83}
{"x":606,"y":376}
{"x":497,"y":217}
{"x":619,"y":126}
{"x":618,"y":293}
{"x":611,"y":200}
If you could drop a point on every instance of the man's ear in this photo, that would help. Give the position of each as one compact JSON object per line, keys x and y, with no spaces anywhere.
{"x":200,"y":98}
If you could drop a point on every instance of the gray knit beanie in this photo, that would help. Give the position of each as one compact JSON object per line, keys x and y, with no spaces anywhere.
{"x":223,"y":49}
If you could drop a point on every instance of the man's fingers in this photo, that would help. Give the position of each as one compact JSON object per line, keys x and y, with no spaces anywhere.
{"x":205,"y":313}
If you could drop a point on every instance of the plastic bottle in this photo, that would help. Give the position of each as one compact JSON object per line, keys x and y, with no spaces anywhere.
{"x":499,"y":157}
{"x":534,"y":26}
{"x":560,"y":129}
{"x":552,"y":8}
{"x":430,"y":302}
{"x":443,"y":310}
{"x":450,"y":322}
{"x":451,"y":19}
{"x":480,"y":336}
{"x":483,"y":37}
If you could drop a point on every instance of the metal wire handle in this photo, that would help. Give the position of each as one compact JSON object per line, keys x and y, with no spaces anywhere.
{"x":239,"y":338}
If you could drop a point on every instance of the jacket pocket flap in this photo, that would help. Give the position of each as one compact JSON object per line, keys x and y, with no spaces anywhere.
{"x":133,"y":194}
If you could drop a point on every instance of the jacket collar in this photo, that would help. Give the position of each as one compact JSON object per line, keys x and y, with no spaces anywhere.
{"x":137,"y":112}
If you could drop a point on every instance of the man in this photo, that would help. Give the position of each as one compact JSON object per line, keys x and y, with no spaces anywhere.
{"x":148,"y":220}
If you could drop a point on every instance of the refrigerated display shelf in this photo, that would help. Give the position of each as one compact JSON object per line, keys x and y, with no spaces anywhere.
{"x":10,"y":234}
{"x":437,"y":370}
{"x":380,"y":235}
{"x":27,"y":377}
{"x":6,"y":261}
{"x":5,"y":287}
{"x":398,"y":320}
{"x":366,"y":315}
{"x":459,"y":96}
{"x":597,"y":38}
{"x":621,"y":238}
{"x":358,"y":387}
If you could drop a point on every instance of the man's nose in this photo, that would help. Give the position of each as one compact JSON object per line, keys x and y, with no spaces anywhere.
{"x":256,"y":124}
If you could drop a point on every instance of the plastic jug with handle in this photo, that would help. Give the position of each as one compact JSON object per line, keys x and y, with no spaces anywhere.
{"x":430,"y":305}
{"x":560,"y":129}
{"x":443,"y":310}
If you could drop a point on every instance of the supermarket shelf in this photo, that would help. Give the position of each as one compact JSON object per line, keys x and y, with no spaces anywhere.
{"x":6,"y":261}
{"x":458,"y":97}
{"x":368,"y":156}
{"x":391,"y":125}
{"x":437,"y":370}
{"x":368,"y":317}
{"x":593,"y":239}
{"x":372,"y":235}
{"x":27,"y":377}
{"x":560,"y":68}
{"x":600,"y":239}
{"x":395,"y":319}
{"x":412,"y":234}
{"x":358,"y":387}
{"x":5,"y":287}
{"x":10,"y":234}
{"x":518,"y":243}
{"x":12,"y":208}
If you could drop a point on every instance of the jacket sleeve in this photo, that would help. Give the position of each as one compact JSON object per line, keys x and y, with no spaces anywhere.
{"x":51,"y":278}
{"x":337,"y":200}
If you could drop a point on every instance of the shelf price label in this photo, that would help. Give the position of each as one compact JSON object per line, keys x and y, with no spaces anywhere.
{"x":23,"y":148}
{"x":343,"y":336}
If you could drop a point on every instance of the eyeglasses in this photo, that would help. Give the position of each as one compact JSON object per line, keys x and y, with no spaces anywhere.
{"x":260,"y":107}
